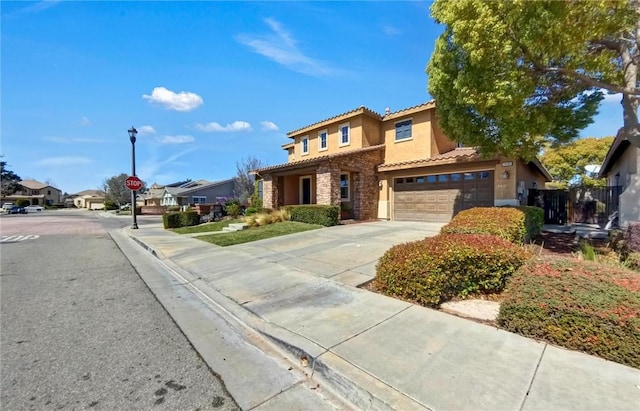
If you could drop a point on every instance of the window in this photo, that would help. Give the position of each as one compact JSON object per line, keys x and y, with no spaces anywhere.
{"x":484,"y":175}
{"x":469,"y":176}
{"x":409,"y":179}
{"x":305,"y":145}
{"x":48,"y":192}
{"x":456,"y":177}
{"x":431,"y":179}
{"x":403,"y":130}
{"x":199,"y":199}
{"x":399,"y":180}
{"x":344,"y":187}
{"x":344,"y":135}
{"x":443,"y":178}
{"x":322,"y":140}
{"x":420,"y":180}
{"x":260,"y":189}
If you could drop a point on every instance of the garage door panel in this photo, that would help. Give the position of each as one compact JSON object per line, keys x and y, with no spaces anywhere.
{"x":436,"y":201}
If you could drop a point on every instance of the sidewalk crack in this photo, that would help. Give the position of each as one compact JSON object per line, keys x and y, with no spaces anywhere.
{"x":533,"y":377}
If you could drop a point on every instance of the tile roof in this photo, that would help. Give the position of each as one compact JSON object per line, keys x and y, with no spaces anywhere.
{"x":33,"y":184}
{"x":405,"y":111}
{"x":359,"y":110}
{"x":312,"y":160}
{"x":195,"y":186}
{"x":467,"y":153}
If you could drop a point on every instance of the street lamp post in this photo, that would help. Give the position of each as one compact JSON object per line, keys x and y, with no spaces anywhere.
{"x":132,"y":137}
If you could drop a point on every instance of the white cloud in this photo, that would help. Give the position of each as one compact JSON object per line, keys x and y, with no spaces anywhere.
{"x":390,"y":30}
{"x":216,"y":127}
{"x":280,"y":47}
{"x":149,"y":168}
{"x":269,"y":126}
{"x":85,"y":121}
{"x":146,"y":130}
{"x":36,"y":7}
{"x":182,"y":101}
{"x":63,"y":161}
{"x":180,"y":139}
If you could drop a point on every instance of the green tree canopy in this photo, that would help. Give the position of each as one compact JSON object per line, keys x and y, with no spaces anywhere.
{"x":512,"y":76}
{"x":8,"y":180}
{"x":568,"y":164}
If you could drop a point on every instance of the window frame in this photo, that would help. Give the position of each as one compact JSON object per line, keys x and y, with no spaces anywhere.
{"x":399,"y":123}
{"x":341,"y":142}
{"x":326,"y":140}
{"x":304,"y":142}
{"x":193,"y":198}
{"x":348,"y":187}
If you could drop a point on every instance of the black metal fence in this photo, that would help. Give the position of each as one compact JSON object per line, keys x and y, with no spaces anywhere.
{"x":589,"y":205}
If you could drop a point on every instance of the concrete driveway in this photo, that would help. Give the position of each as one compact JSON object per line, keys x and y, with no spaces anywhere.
{"x":345,"y":253}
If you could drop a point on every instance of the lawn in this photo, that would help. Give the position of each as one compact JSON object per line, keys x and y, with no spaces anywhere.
{"x":206,"y":227}
{"x":258,"y":233}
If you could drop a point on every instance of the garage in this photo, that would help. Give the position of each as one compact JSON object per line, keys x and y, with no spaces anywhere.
{"x":439,"y":197}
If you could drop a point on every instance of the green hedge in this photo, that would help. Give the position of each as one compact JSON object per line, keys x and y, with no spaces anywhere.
{"x":577,"y":304}
{"x":515,"y":224}
{"x":180,"y":219}
{"x":435,"y":269}
{"x":315,"y":214}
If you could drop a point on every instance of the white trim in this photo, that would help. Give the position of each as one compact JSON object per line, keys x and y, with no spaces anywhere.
{"x":340,"y":127}
{"x":395,"y":131}
{"x":302,"y":140}
{"x":310,"y":177}
{"x":326,"y":140}
{"x":346,"y":173}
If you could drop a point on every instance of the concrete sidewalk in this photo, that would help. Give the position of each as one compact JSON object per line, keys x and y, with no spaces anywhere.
{"x":375,"y":351}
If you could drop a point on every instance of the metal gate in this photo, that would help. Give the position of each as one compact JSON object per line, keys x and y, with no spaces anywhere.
{"x":590,"y":205}
{"x":553,"y":202}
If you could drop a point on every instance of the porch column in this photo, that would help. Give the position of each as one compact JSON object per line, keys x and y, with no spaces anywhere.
{"x":328,"y":184}
{"x":269,"y":192}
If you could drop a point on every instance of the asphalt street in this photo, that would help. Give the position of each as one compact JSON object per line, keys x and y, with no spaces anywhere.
{"x":80,"y":330}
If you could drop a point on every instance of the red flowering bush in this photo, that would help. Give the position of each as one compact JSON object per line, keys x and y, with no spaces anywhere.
{"x":505,"y":222}
{"x":434,"y":270}
{"x":580,"y":305}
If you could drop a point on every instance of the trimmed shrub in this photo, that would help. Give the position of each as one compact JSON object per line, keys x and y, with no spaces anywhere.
{"x":436,"y":269}
{"x":580,"y":305}
{"x":180,"y":219}
{"x":233,"y":210}
{"x":505,"y":222}
{"x":315,"y":214}
{"x":533,"y":221}
{"x":171,"y":220}
{"x":23,"y":202}
{"x":110,"y":205}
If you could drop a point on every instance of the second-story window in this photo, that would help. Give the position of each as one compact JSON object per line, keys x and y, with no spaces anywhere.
{"x":322,"y":140}
{"x":403,"y":130}
{"x":345,"y":135}
{"x":305,"y":145}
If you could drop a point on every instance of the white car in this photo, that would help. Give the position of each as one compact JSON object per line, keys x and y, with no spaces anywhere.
{"x":34,"y":208}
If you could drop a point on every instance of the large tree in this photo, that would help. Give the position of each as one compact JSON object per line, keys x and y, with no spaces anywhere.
{"x":570,"y":163}
{"x":244,"y":181}
{"x":117,"y":191}
{"x":8,"y":180}
{"x":512,"y":76}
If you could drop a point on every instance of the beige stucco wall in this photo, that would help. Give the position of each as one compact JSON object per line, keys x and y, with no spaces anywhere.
{"x":356,"y":134}
{"x":418,"y":146}
{"x":439,"y":142}
{"x":628,"y":168}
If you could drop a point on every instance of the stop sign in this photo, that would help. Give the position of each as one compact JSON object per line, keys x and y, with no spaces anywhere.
{"x":133,"y":183}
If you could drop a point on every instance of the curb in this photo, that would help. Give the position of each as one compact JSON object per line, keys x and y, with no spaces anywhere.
{"x":337,"y":375}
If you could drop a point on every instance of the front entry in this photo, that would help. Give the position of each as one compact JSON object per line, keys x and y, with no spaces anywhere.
{"x":305,"y":190}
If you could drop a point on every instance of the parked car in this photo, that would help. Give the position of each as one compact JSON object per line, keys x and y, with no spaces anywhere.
{"x":17,"y":210}
{"x":34,"y":208}
{"x":7,"y":206}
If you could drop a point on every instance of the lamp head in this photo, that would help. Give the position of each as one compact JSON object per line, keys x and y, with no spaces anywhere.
{"x":132,"y":134}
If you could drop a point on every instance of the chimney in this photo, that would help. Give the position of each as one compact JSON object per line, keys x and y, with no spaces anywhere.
{"x":387,"y":111}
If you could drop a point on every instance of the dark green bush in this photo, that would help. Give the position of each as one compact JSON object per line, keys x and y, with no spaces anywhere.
{"x":505,"y":222}
{"x":577,"y":304}
{"x":22,"y":202}
{"x":315,"y":214}
{"x":234,"y":210}
{"x":171,"y":220}
{"x":173,"y":208}
{"x":435,"y":269}
{"x":110,"y":205}
{"x":533,"y":221}
{"x":180,"y":219}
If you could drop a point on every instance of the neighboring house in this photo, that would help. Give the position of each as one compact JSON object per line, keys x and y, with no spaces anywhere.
{"x":197,"y":192}
{"x":89,"y":199}
{"x":153,"y":195}
{"x":397,"y":166}
{"x":36,"y":192}
{"x":621,"y":167}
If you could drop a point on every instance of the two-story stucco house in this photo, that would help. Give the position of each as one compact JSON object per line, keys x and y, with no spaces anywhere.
{"x":36,"y":192}
{"x":397,"y":166}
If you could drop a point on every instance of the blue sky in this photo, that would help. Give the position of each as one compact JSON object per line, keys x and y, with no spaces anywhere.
{"x":207,"y":84}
